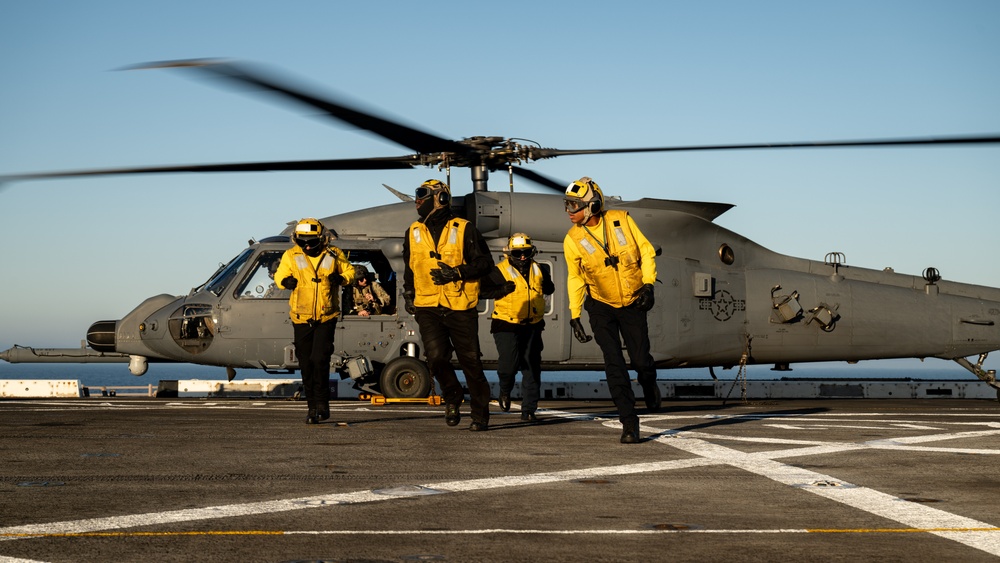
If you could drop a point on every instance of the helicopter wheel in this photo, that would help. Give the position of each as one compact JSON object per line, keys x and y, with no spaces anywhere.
{"x":405,"y":378}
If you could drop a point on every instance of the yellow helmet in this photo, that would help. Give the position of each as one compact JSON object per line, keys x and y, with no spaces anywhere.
{"x":518,"y":241}
{"x":584,"y":194}
{"x":309,"y":233}
{"x":520,"y":247}
{"x":308,"y":227}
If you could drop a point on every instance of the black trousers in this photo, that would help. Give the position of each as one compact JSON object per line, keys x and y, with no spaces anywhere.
{"x":521,"y":350}
{"x":314,"y":347}
{"x":444,"y":331}
{"x":611,"y":325}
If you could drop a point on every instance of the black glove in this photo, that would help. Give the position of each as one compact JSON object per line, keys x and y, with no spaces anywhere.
{"x":578,"y":331}
{"x":446,"y":274}
{"x":337,"y":279}
{"x":644,"y":298}
{"x":289,"y":282}
{"x":408,"y":306}
{"x":507,"y":288}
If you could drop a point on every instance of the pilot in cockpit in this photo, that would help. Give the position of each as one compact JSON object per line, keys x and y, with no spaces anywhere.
{"x":369,"y":297}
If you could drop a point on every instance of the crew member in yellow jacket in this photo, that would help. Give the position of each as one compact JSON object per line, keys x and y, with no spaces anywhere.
{"x":314,"y":270}
{"x":445,"y":256}
{"x":518,"y":285}
{"x":611,"y":270}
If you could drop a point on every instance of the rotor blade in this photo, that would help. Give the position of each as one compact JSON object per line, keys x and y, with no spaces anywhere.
{"x":414,"y":139}
{"x":540,"y":179}
{"x":540,"y":153}
{"x":402,"y":197}
{"x":385,"y":163}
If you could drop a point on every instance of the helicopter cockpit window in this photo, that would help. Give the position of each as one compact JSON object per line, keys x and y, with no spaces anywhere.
{"x":260,"y":283}
{"x":225,"y":275}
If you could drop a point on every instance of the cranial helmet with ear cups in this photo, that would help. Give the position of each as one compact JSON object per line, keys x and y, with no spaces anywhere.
{"x":309,"y":233}
{"x":584,"y":194}
{"x":437,"y":188}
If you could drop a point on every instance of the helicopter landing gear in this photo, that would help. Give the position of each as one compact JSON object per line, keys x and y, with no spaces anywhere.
{"x":405,"y":377}
{"x":989,"y":376}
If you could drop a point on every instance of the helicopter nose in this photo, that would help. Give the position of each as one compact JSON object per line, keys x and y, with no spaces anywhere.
{"x":101,"y":336}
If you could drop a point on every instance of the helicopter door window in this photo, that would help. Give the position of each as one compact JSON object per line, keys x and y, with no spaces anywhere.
{"x":379,"y":272}
{"x":367,"y":296}
{"x":260,"y":283}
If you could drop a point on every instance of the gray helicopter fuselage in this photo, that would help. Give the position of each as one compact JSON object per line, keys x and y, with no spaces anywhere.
{"x":720,"y":298}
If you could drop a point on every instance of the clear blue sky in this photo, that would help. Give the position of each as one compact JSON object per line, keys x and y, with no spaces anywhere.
{"x":566,"y":74}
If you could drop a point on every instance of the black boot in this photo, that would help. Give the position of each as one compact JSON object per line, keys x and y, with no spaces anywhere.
{"x":630,"y":431}
{"x":452,"y":416}
{"x":504,"y":402}
{"x":651,"y":395}
{"x":323,"y":410}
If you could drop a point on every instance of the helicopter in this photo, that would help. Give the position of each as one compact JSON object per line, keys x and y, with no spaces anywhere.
{"x":723,"y":301}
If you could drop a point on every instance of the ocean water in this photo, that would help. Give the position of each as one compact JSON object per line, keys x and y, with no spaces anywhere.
{"x":117,"y":375}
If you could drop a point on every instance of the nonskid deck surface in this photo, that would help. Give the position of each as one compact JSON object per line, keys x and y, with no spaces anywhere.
{"x":128,"y":479}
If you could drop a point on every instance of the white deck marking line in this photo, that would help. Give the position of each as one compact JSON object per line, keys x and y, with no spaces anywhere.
{"x":753,"y":439}
{"x":882,"y":444}
{"x":863,"y":498}
{"x":888,"y":446}
{"x":4,"y":559}
{"x":268,"y":507}
{"x":936,"y":437}
{"x":827,"y":426}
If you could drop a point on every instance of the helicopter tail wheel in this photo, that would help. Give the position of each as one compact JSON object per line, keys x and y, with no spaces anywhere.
{"x":405,"y":377}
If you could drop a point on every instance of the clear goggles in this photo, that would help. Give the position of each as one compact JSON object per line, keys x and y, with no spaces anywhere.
{"x":574,"y":205}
